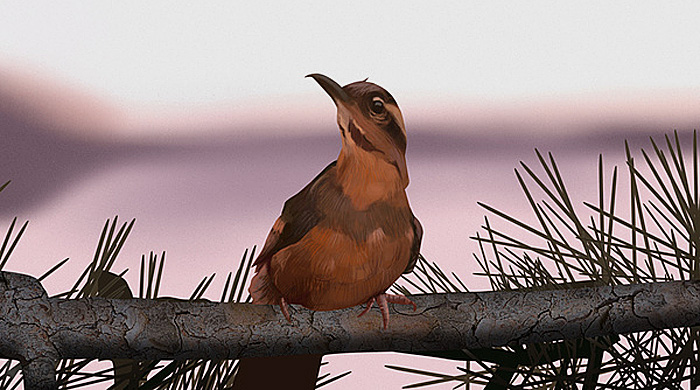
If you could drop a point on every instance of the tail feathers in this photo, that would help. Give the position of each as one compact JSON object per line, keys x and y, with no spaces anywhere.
{"x":262,"y":290}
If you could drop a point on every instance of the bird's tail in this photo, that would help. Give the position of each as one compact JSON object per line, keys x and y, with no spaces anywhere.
{"x":261,"y":289}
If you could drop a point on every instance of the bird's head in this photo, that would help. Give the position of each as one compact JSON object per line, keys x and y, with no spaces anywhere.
{"x":370,"y":122}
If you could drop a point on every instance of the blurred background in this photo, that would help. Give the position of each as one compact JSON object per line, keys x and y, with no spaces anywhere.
{"x":196,"y":119}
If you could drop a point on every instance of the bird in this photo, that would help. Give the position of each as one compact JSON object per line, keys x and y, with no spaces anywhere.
{"x":350,"y":233}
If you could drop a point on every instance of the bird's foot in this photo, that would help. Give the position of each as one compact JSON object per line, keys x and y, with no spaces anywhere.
{"x":285,"y":309}
{"x":382,"y":301}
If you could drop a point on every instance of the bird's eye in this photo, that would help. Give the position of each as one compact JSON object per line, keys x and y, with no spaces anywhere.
{"x":377,"y":106}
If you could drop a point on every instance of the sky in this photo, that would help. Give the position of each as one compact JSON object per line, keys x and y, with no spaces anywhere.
{"x":165,"y":54}
{"x":120,"y":81}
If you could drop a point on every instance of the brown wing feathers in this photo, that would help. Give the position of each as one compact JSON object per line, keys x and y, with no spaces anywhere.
{"x":299,"y":216}
{"x":305,"y":210}
{"x":415,"y":249}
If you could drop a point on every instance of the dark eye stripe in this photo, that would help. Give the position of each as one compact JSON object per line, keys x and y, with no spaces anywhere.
{"x":393,"y":129}
{"x":389,"y":124}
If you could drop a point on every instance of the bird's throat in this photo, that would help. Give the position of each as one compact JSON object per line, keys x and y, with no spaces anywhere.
{"x":367,"y":179}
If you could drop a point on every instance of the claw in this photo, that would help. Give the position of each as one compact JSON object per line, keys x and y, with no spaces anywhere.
{"x":382,"y":301}
{"x":285,"y":309}
{"x":369,"y":306}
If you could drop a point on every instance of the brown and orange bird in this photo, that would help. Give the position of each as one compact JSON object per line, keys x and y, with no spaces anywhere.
{"x":347,"y":236}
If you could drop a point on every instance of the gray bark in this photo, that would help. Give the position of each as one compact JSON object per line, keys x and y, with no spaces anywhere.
{"x":38,"y":330}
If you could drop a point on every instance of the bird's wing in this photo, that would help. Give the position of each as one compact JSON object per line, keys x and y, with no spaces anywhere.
{"x":299,"y":215}
{"x":415,"y":249}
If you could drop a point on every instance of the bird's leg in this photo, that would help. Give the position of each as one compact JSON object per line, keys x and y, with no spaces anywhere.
{"x":285,"y":309}
{"x":383,"y":300}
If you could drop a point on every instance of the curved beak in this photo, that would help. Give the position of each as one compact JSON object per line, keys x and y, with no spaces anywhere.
{"x":332,"y":88}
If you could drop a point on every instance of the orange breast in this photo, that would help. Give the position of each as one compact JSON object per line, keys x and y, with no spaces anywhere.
{"x":327,"y":270}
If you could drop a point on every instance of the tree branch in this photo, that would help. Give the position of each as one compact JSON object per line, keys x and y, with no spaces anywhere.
{"x":38,"y":330}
